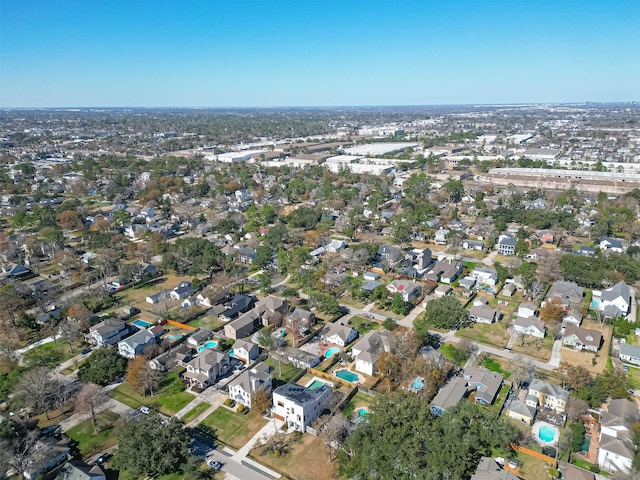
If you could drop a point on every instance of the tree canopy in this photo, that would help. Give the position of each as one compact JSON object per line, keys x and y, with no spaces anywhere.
{"x":102,"y":367}
{"x":402,"y":439}
{"x":446,"y":312}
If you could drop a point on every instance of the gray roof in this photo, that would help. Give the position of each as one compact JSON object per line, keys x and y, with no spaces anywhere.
{"x":549,"y":389}
{"x":484,"y":311}
{"x":487,"y":383}
{"x":375,"y":341}
{"x":299,"y":394}
{"x":142,"y":337}
{"x":621,"y":412}
{"x":620,"y":289}
{"x":452,"y":392}
{"x":488,"y":469}
{"x":76,"y":470}
{"x":522,"y":408}
{"x":341,"y":331}
{"x":261,"y":371}
{"x":108,"y":326}
{"x":584,"y":334}
{"x":631,"y":350}
{"x":566,"y":290}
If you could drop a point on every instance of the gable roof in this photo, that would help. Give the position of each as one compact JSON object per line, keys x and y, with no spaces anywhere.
{"x":488,"y":469}
{"x":585,"y":335}
{"x":548,"y":389}
{"x":331,"y":329}
{"x":566,"y":290}
{"x":620,"y":289}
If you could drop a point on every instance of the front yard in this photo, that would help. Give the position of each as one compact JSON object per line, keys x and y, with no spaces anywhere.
{"x":539,"y":348}
{"x":90,"y":443}
{"x":494,"y":335}
{"x":170,"y":399}
{"x":233,"y":428}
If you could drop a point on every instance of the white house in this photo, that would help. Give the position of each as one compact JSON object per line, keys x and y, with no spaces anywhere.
{"x":410,"y":291}
{"x":243,"y":388}
{"x":615,"y":301}
{"x":245,"y":351}
{"x":368,"y":349}
{"x":108,"y":332}
{"x":338,"y":334}
{"x":608,"y":244}
{"x":529,"y":326}
{"x":617,"y":450}
{"x":485,"y":276}
{"x":336,"y":246}
{"x":582,"y":338}
{"x":507,"y":244}
{"x":527,"y":310}
{"x":299,"y":406}
{"x":137,"y":343}
{"x":630,"y":353}
{"x":483,"y":314}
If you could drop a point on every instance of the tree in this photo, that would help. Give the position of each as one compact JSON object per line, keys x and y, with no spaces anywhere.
{"x":142,"y":378}
{"x":454,"y":188}
{"x":574,"y":377}
{"x":402,"y":439}
{"x":152,"y":446}
{"x":575,"y":408}
{"x":89,"y":400}
{"x":37,"y":389}
{"x":333,"y":431}
{"x":69,"y":330}
{"x":446,"y":312}
{"x":522,"y":370}
{"x":102,"y":367}
{"x":399,"y":306}
{"x":261,"y":401}
{"x":577,"y":435}
{"x":552,"y":312}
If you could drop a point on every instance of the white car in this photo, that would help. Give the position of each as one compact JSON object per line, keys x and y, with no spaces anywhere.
{"x":145,"y":410}
{"x":214,"y":464}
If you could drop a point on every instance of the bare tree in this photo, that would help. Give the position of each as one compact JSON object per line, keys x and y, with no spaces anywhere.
{"x":89,"y":400}
{"x":575,"y":408}
{"x":522,"y":370}
{"x":333,"y":431}
{"x":15,"y":452}
{"x":37,"y":389}
{"x":69,"y":330}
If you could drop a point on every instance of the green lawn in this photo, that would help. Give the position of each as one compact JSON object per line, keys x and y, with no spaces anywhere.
{"x":494,"y":366}
{"x":194,"y":412}
{"x":234,"y":428}
{"x":52,"y":354}
{"x":289,"y":372}
{"x":359,"y":400}
{"x":362,"y":325}
{"x":450,"y":352}
{"x":634,"y":377}
{"x":90,"y":443}
{"x":578,"y":462}
{"x":169,"y":400}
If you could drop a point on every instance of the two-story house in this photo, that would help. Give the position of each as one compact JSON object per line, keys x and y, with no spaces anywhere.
{"x":299,"y":406}
{"x":206,"y":368}
{"x":369,"y":348}
{"x":617,"y":449}
{"x":338,"y":334}
{"x":615,"y":301}
{"x":109,"y":332}
{"x":410,"y":291}
{"x":506,"y":244}
{"x":137,"y":343}
{"x":245,"y":351}
{"x":301,"y":319}
{"x":243,"y":388}
{"x":547,"y":395}
{"x":567,"y":293}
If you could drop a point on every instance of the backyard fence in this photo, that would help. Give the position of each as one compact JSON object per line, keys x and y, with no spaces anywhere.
{"x":534,"y":454}
{"x":180,"y":325}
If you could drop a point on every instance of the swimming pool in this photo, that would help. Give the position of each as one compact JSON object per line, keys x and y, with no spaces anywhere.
{"x":209,"y":344}
{"x":363,"y":412}
{"x":417,"y":384}
{"x":315,"y":385}
{"x":347,"y":375}
{"x":546,"y":433}
{"x":331,"y":352}
{"x":141,"y":323}
{"x":174,"y":338}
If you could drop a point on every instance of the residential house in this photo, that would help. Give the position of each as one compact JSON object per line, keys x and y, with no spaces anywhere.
{"x":527,"y":310}
{"x":445,"y":271}
{"x":369,"y":348}
{"x":546,"y":236}
{"x":572,"y":317}
{"x":440,"y":237}
{"x":487,"y":384}
{"x":77,"y":470}
{"x":507,"y":244}
{"x":582,"y":338}
{"x":574,"y":473}
{"x":484,"y":314}
{"x":509,"y":290}
{"x":615,"y":301}
{"x":442,"y":291}
{"x":485,"y":276}
{"x":177,"y":356}
{"x":338,"y":334}
{"x":335,"y":246}
{"x":302,"y":359}
{"x":488,"y":469}
{"x":299,"y":406}
{"x":53,"y":315}
{"x":608,"y":244}
{"x":473,"y":245}
{"x":243,"y":326}
{"x":467,"y":282}
{"x":109,"y":332}
{"x":158,"y":297}
{"x":246,"y":255}
{"x":410,"y":291}
{"x":183,"y":290}
{"x":449,"y":395}
{"x":243,"y":388}
{"x":617,"y":450}
{"x":45,"y":454}
{"x":211,"y":296}
{"x":271,"y":309}
{"x":567,"y":293}
{"x":520,"y":411}
{"x":246,"y":351}
{"x":390,"y":254}
{"x":630,"y":353}
{"x":206,"y":368}
{"x":301,"y":319}
{"x":550,"y":396}
{"x":529,"y":326}
{"x":137,"y":343}
{"x":239,"y":304}
{"x":370,"y":276}
{"x":587,"y":251}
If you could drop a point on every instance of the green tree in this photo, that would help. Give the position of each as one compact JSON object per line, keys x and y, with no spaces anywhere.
{"x":102,"y":367}
{"x":151,"y":446}
{"x":454,"y":188}
{"x":446,"y":312}
{"x":399,"y":306}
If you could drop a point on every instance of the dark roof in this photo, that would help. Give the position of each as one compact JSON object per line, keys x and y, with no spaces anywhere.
{"x":299,"y":394}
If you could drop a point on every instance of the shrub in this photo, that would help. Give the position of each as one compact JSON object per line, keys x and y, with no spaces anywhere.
{"x":228,"y":402}
{"x":241,"y":408}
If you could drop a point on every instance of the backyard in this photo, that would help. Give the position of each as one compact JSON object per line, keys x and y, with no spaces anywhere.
{"x":233,"y":428}
{"x":288,"y":372}
{"x":170,"y":398}
{"x":494,"y":334}
{"x":358,"y":401}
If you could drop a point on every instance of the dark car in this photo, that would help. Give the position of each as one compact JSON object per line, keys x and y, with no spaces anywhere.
{"x":85,"y":351}
{"x":103,"y":458}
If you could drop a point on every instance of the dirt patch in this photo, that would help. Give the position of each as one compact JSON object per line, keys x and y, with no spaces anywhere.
{"x":585,"y":359}
{"x":306,"y":459}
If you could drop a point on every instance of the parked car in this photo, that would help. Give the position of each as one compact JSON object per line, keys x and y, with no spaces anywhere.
{"x":214,"y":464}
{"x":145,"y":410}
{"x":103,"y":458}
{"x":84,"y":351}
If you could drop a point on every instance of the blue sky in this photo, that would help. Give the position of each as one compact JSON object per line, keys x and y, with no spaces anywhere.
{"x":57,"y":53}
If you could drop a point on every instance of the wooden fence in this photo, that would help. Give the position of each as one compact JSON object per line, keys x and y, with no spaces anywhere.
{"x":180,"y":325}
{"x":534,"y":454}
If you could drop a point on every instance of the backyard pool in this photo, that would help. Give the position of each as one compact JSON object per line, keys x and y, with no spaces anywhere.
{"x":347,"y":375}
{"x":331,"y":352}
{"x":174,"y":338}
{"x":317,"y":383}
{"x":546,"y":433}
{"x":417,"y":384}
{"x":595,"y":303}
{"x":209,"y":344}
{"x":362,"y":412}
{"x":141,"y":323}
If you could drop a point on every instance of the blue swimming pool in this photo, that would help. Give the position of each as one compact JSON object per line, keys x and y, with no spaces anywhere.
{"x":331,"y":352}
{"x":347,"y":375}
{"x":173,"y":338}
{"x":547,"y":434}
{"x":363,"y":412}
{"x":417,"y":384}
{"x":141,"y":323}
{"x":210,"y":344}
